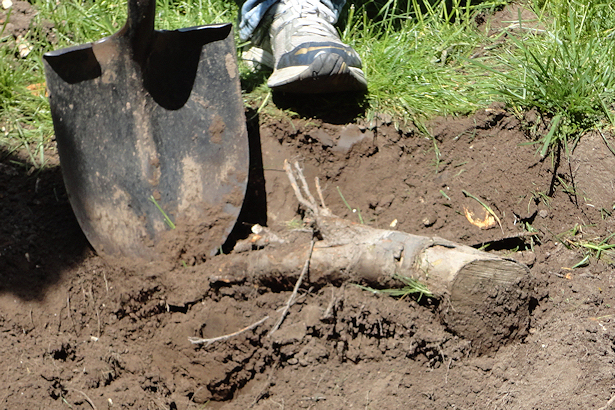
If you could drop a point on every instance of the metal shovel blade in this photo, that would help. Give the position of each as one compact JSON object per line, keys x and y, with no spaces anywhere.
{"x":152,"y":138}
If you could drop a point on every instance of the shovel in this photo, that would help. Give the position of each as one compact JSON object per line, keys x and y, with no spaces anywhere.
{"x":152,"y":138}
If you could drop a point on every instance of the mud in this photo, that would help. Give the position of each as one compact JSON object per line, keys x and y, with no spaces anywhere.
{"x":77,"y":329}
{"x":82,"y":332}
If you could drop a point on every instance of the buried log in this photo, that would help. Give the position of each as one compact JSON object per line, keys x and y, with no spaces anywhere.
{"x":482,"y":297}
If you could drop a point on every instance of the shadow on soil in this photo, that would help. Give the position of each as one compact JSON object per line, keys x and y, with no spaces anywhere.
{"x":39,"y":235}
{"x":335,"y":108}
{"x":254,"y":208}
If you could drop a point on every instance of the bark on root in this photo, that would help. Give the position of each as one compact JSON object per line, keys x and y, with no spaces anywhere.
{"x":482,"y":297}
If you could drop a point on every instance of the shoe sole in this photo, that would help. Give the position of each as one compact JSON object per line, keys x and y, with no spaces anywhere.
{"x":328,"y":73}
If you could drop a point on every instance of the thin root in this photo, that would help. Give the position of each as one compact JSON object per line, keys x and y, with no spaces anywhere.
{"x":196,"y":340}
{"x":304,"y":184}
{"x":90,"y":402}
{"x":608,"y":404}
{"x":322,"y":200}
{"x":293,"y":182}
{"x":291,"y":300}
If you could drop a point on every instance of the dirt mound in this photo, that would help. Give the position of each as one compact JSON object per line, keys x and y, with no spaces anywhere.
{"x":79,"y":333}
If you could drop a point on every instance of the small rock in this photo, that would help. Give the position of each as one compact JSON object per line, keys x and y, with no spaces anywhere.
{"x":350,"y":135}
{"x":23,"y":47}
{"x":321,"y":136}
{"x":202,"y":395}
{"x":292,"y":361}
{"x":543,"y":213}
{"x":429,"y":220}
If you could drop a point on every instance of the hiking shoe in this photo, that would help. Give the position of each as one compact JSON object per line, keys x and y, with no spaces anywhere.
{"x":305,"y":51}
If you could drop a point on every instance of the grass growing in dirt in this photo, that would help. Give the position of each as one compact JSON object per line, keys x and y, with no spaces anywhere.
{"x":410,"y":287}
{"x":411,"y":57}
{"x":589,"y":245}
{"x":565,"y":71}
{"x":422,"y":58}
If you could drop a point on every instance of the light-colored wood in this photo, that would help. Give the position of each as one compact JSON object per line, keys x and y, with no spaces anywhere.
{"x":480,"y":296}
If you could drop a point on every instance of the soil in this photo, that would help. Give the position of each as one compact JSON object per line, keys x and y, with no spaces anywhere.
{"x":80,"y":332}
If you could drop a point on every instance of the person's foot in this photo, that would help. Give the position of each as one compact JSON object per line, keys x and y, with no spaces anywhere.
{"x":307,"y":56}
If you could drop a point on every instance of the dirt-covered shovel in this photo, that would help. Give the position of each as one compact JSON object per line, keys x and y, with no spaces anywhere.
{"x":151,"y":134}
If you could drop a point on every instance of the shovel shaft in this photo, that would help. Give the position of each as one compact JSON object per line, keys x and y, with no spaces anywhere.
{"x":139,"y":27}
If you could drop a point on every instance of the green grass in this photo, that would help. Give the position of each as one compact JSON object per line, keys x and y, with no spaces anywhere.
{"x":594,"y":247}
{"x":566,"y":72}
{"x":351,"y":209}
{"x":422,"y":58}
{"x":410,"y":287}
{"x":412,"y":58}
{"x":167,"y":220}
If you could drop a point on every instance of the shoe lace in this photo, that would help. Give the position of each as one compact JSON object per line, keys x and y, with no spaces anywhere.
{"x":310,"y":17}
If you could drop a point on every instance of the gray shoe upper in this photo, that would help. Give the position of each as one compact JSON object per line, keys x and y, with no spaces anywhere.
{"x":308,"y":54}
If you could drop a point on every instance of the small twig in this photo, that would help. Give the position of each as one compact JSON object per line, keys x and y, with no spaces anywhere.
{"x":304,"y":184}
{"x":329,"y":311}
{"x":291,"y":300}
{"x":322,"y":376}
{"x":322,"y":199}
{"x":299,"y":298}
{"x":319,"y":191}
{"x":106,"y":283}
{"x":293,"y":184}
{"x":196,"y":340}
{"x":608,"y":403}
{"x":520,"y":235}
{"x":90,"y":402}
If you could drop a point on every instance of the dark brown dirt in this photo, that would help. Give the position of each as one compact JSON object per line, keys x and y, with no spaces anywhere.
{"x":79,"y":332}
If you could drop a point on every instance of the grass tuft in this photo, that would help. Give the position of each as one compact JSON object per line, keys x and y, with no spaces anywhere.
{"x":411,"y":56}
{"x":567,"y":73}
{"x":411,"y":287}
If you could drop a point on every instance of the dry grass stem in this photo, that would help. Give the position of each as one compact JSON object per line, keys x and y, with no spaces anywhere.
{"x":608,"y":403}
{"x":291,"y":299}
{"x":293,"y":184}
{"x":207,"y":342}
{"x":85,"y":396}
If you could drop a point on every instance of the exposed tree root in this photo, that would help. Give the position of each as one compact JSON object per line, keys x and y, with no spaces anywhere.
{"x":482,"y":297}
